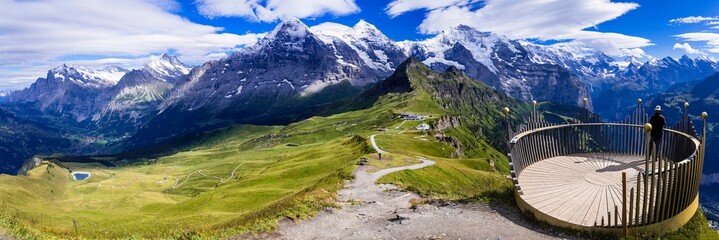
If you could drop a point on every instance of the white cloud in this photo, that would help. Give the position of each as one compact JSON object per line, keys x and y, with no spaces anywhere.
{"x":398,"y":7}
{"x":36,"y":35}
{"x":330,"y":27}
{"x":536,"y":19}
{"x":272,"y":10}
{"x":709,"y":38}
{"x":693,"y":19}
{"x":687,"y":48}
{"x":169,"y":5}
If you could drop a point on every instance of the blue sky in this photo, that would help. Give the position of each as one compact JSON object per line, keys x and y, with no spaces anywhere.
{"x":96,"y":33}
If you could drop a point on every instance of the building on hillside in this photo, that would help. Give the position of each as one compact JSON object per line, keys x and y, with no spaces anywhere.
{"x":423,"y":127}
{"x":411,"y":116}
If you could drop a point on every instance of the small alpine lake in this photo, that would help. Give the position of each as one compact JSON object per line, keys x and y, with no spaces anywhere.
{"x":79,"y":176}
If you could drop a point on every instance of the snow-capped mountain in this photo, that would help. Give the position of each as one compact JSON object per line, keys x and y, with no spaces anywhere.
{"x":595,"y":69}
{"x":280,"y":74}
{"x":167,"y":68}
{"x":500,"y":62}
{"x":651,"y":78}
{"x":376,"y":50}
{"x":101,"y":98}
{"x":289,"y":60}
{"x":68,"y":90}
{"x":138,"y":94}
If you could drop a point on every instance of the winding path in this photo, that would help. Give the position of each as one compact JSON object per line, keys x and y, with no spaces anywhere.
{"x":371,"y":211}
{"x":178,"y":184}
{"x":374,"y":144}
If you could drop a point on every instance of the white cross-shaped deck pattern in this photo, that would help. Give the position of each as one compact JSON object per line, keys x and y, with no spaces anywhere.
{"x":579,"y":188}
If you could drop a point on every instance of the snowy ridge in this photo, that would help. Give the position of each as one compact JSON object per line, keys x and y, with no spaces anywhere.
{"x":290,"y":35}
{"x":480,"y":44}
{"x":87,"y":77}
{"x":166,"y":66}
{"x":370,"y":44}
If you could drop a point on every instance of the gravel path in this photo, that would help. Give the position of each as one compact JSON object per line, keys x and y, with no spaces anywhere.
{"x":371,"y":211}
{"x":374,"y":144}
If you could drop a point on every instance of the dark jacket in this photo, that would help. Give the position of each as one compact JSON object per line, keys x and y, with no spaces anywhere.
{"x":657,"y":121}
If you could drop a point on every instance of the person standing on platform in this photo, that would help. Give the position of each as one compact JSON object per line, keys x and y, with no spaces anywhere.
{"x":657,"y":121}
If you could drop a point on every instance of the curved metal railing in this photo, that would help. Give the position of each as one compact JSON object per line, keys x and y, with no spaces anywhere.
{"x":663,"y":189}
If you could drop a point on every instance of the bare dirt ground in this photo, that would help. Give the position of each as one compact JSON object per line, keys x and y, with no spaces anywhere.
{"x":371,"y":211}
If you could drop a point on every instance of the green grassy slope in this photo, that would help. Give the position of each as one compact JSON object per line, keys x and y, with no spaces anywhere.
{"x":238,"y":179}
{"x":188,"y":193}
{"x":246,"y":178}
{"x":456,"y":179}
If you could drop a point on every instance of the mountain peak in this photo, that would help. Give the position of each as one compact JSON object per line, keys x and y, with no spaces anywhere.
{"x":65,"y":68}
{"x":167,"y":57}
{"x":463,"y":27}
{"x":291,"y":28}
{"x":114,"y":69}
{"x":634,"y":61}
{"x":365,"y":26}
{"x":87,"y":77}
{"x":166,"y":65}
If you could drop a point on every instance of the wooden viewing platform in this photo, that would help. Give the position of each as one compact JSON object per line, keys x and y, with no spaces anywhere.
{"x":590,"y":175}
{"x":579,"y":188}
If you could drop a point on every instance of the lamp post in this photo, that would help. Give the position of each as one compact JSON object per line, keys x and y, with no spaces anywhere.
{"x":586,"y":112}
{"x":506,"y":121}
{"x":638,"y":113}
{"x":534,"y":111}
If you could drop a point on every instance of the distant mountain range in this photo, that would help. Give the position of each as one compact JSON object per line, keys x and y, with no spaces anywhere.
{"x":702,"y":96}
{"x":296,"y":72}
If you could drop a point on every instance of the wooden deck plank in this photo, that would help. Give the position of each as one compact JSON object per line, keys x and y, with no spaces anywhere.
{"x":579,"y":188}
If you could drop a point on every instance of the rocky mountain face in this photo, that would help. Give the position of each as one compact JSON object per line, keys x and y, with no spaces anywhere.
{"x":21,"y":138}
{"x":595,"y":69}
{"x":286,"y":76}
{"x":68,"y":91}
{"x":77,"y":110}
{"x":128,"y":104}
{"x":81,"y":96}
{"x":471,"y":106}
{"x":499,"y":62}
{"x":375,"y":49}
{"x":616,"y":85}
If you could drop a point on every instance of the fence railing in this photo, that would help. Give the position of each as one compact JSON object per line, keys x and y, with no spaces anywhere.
{"x":668,"y":184}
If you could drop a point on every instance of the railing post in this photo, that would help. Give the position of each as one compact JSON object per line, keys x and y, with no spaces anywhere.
{"x":631,"y":209}
{"x":647,"y":130}
{"x":624,"y":204}
{"x":637,"y":205}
